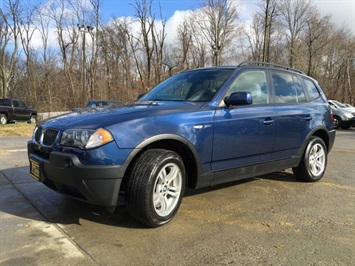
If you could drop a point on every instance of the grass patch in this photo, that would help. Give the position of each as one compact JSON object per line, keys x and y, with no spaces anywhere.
{"x":17,"y":130}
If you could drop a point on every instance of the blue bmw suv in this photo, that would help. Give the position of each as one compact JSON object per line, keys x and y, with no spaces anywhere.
{"x":198,"y":128}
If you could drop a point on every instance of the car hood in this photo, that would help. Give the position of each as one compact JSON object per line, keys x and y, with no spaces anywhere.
{"x":344,"y":109}
{"x":102,"y":117}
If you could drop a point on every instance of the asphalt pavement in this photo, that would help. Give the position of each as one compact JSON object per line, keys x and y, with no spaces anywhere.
{"x":27,"y":236}
{"x":268,"y":220}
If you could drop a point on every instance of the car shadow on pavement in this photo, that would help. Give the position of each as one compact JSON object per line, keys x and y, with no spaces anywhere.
{"x":281,"y":176}
{"x":57,"y":208}
{"x":16,"y":185}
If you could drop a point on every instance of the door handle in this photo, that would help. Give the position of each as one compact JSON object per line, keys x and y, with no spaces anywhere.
{"x":268,"y":121}
{"x":308,"y":118}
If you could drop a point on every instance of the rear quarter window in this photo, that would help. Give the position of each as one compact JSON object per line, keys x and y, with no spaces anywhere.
{"x":311,"y":90}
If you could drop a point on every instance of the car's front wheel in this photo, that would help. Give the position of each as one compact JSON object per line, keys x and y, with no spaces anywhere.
{"x":156,"y":187}
{"x":33,"y":119}
{"x":337,"y":122}
{"x":314,"y":161}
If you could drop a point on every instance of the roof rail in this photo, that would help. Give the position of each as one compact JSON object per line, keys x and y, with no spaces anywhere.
{"x":256,"y":63}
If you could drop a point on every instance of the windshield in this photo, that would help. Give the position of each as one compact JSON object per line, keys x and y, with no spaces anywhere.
{"x":195,"y":86}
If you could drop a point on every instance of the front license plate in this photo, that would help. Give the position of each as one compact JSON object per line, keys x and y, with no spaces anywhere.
{"x":35,"y":169}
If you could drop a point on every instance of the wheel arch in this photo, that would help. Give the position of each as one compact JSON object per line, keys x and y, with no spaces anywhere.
{"x":321,"y":133}
{"x":171,"y":142}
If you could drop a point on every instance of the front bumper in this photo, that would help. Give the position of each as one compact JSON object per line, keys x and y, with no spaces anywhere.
{"x":350,"y":122}
{"x":64,"y":173}
{"x":331,"y":139}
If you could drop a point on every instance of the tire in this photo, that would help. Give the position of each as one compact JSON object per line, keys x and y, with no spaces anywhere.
{"x":314,"y":161}
{"x":345,"y":126}
{"x":33,"y":119}
{"x":156,"y":187}
{"x":337,"y":122}
{"x":3,"y":119}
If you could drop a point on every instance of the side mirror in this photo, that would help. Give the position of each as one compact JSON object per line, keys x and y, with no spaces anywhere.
{"x":239,"y":98}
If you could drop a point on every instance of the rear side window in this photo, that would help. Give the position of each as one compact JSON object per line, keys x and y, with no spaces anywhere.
{"x":21,"y":104}
{"x":288,"y":88}
{"x":254,"y":82}
{"x":311,"y":90}
{"x":5,"y":102}
{"x":300,"y":95}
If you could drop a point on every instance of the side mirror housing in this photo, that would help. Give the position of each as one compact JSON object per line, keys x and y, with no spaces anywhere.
{"x":239,"y":98}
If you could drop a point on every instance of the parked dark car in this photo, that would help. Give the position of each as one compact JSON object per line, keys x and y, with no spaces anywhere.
{"x":12,"y":110}
{"x":98,"y":104}
{"x":196,"y":129}
{"x":344,"y":116}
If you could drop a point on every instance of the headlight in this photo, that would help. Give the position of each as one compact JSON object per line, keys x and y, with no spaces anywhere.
{"x":85,"y":138}
{"x":348,"y":115}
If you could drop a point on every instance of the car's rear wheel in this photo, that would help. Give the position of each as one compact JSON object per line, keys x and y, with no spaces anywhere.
{"x":314,"y":161}
{"x":3,"y":119}
{"x":156,"y":187}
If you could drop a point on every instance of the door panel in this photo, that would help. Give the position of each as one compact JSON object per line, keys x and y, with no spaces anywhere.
{"x":243,"y":136}
{"x":292,"y":126}
{"x":294,"y":115}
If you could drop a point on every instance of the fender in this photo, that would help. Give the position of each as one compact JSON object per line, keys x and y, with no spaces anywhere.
{"x":161,"y":137}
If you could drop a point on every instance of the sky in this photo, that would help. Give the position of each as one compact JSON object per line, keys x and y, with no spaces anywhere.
{"x":342,"y":11}
{"x":174,"y":11}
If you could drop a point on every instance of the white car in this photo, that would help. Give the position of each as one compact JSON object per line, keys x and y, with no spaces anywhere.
{"x":344,"y":116}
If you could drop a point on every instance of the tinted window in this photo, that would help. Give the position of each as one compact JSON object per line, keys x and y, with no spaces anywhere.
{"x":300,"y":95}
{"x":288,"y":88}
{"x":284,"y":92}
{"x":21,"y":104}
{"x":311,"y":89}
{"x":254,"y":82}
{"x":5,"y":102}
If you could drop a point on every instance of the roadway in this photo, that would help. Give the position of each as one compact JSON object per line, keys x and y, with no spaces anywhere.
{"x":273,"y":219}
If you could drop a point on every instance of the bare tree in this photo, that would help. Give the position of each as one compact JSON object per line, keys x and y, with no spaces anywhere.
{"x":295,"y":14}
{"x":45,"y":88}
{"x":146,"y":19}
{"x":115,"y":49}
{"x":217,"y":21}
{"x":317,"y":36}
{"x":158,"y":37}
{"x":199,"y":54}
{"x":269,"y":13}
{"x":26,"y":34}
{"x":338,"y":66}
{"x":10,"y":13}
{"x":94,"y":16}
{"x":184,"y":39}
{"x":254,"y":36}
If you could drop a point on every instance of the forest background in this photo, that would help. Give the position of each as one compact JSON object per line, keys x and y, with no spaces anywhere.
{"x":120,"y":58}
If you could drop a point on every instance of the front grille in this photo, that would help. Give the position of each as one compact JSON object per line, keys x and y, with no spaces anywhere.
{"x":45,"y":137}
{"x":38,"y":134}
{"x":49,"y":137}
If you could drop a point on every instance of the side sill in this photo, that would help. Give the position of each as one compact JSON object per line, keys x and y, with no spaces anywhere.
{"x":253,"y":170}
